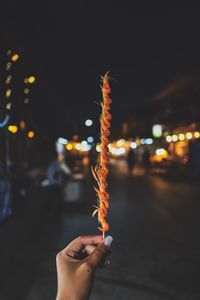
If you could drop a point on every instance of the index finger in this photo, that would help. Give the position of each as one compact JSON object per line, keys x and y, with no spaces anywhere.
{"x":79,"y":243}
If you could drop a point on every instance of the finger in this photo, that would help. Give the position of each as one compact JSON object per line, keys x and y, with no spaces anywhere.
{"x":101,"y":251}
{"x":89,"y":249}
{"x":79,"y":243}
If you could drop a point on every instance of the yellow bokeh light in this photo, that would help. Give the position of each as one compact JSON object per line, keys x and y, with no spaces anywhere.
{"x":8,"y":93}
{"x":78,"y":146}
{"x":197,"y":135}
{"x":189,"y":135}
{"x":8,"y":105}
{"x":181,"y":136}
{"x":120,"y":143}
{"x":168,"y":138}
{"x":31,"y":134}
{"x":69,"y":146}
{"x":98,"y":148}
{"x":31,"y":79}
{"x":13,"y":128}
{"x":22,"y":125}
{"x":174,"y":138}
{"x":8,"y":79}
{"x":26,"y":91}
{"x":15,"y":57}
{"x":8,"y":66}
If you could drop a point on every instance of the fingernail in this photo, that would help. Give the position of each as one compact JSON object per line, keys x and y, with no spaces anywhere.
{"x":108,"y":240}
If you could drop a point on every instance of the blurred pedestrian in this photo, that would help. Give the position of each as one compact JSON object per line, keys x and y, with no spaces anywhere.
{"x":76,"y":265}
{"x":130,"y":160}
{"x":57,"y":174}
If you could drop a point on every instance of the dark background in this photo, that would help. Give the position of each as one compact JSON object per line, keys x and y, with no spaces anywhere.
{"x":69,"y":44}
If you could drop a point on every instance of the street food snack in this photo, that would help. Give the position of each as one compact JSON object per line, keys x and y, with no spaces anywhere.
{"x":100,"y":171}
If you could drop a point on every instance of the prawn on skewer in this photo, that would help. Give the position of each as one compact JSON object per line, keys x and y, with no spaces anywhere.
{"x":100,"y":171}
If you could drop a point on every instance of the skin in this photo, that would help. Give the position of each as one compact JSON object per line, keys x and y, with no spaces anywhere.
{"x":76,"y":265}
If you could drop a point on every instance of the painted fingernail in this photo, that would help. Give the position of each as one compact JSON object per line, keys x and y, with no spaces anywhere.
{"x":108,"y":240}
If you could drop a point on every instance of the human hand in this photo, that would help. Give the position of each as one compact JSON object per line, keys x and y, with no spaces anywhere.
{"x":76,"y":265}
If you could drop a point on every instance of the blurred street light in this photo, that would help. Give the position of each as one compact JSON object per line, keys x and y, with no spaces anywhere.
{"x":181,"y":137}
{"x":15,"y":57}
{"x":174,"y":138}
{"x":69,"y":146}
{"x":8,"y":93}
{"x":189,"y":135}
{"x":88,"y":123}
{"x":26,"y":91}
{"x":13,"y":128}
{"x":8,"y":105}
{"x":157,"y":130}
{"x":168,"y":138}
{"x":26,"y":100}
{"x":197,"y":135}
{"x":31,"y":134}
{"x":90,"y":139}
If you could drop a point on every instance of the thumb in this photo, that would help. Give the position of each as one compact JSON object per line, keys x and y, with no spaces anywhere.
{"x":100,"y":252}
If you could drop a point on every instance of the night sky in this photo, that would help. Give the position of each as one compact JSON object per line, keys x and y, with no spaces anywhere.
{"x":69,"y":44}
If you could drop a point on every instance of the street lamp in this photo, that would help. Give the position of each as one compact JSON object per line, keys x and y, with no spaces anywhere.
{"x":88,"y":123}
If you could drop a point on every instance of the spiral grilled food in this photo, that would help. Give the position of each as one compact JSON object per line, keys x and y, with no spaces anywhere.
{"x":100,"y":172}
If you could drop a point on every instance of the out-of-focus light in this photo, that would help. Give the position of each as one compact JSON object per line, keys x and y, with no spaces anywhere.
{"x":157,"y":130}
{"x":69,"y":146}
{"x":8,"y":79}
{"x":98,"y":148}
{"x":15,"y":57}
{"x":8,"y":105}
{"x":88,"y":123}
{"x":120,"y":143}
{"x":31,"y":79}
{"x":13,"y":128}
{"x":196,"y":135}
{"x":142,"y":141}
{"x":90,"y":139}
{"x":160,"y":152}
{"x":174,"y":138}
{"x":181,"y":137}
{"x":8,"y":52}
{"x":31,"y":134}
{"x":121,"y":151}
{"x":149,"y":141}
{"x":8,"y":93}
{"x":86,"y":147}
{"x":62,"y":141}
{"x":26,"y":80}
{"x":8,"y":66}
{"x":109,"y":147}
{"x":189,"y":135}
{"x":84,"y":143}
{"x":26,"y":100}
{"x":168,"y":138}
{"x":118,"y":151}
{"x":78,"y":146}
{"x":133,"y":145}
{"x":22,"y":125}
{"x":26,"y":91}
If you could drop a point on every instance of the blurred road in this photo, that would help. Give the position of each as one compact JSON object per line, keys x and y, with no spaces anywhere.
{"x":156,"y":228}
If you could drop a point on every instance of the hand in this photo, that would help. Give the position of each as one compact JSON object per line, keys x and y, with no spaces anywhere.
{"x":76,"y":265}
